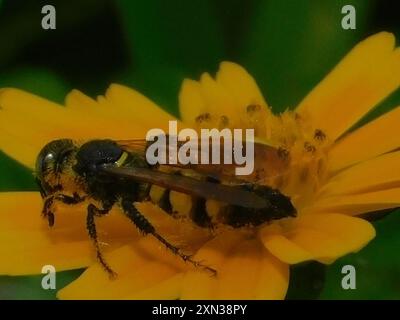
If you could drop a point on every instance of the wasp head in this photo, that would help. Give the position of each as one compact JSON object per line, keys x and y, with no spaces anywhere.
{"x":50,"y":164}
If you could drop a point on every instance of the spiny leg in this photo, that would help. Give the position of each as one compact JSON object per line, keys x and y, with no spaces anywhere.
{"x":92,"y":212}
{"x":76,"y":198}
{"x":147,"y":228}
{"x":47,"y":212}
{"x":48,"y":203}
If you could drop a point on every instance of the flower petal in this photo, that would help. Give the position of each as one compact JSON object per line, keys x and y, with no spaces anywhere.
{"x":322,"y":237}
{"x":377,"y":174}
{"x":137,"y":263}
{"x":245,"y":271}
{"x":139,"y":267}
{"x":212,"y":254}
{"x":225,"y":99}
{"x":354,"y":204}
{"x":29,"y":243}
{"x":183,"y":233}
{"x":77,"y":100}
{"x":257,"y":273}
{"x":292,"y":253}
{"x":191,"y":102}
{"x":371,"y":140}
{"x":368,"y":74}
{"x":169,"y":289}
{"x":217,"y":98}
{"x":33,"y":121}
{"x":240,"y":84}
{"x":138,"y":109}
{"x":28,"y":122}
{"x":25,"y":241}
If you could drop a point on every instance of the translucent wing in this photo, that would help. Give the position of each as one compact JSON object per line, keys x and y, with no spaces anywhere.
{"x":268,"y":162}
{"x":234,"y":195}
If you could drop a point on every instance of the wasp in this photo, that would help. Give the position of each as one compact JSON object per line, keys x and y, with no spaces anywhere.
{"x":116,"y":173}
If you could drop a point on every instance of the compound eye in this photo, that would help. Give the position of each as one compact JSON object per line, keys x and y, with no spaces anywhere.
{"x":52,"y":157}
{"x":44,"y":163}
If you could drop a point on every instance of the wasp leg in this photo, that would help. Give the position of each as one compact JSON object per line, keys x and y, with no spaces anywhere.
{"x":92,"y":212}
{"x":75,"y":199}
{"x":49,"y":202}
{"x":147,"y":228}
{"x":47,"y":212}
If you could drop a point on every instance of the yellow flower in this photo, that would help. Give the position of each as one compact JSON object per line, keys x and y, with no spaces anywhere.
{"x":333,"y":175}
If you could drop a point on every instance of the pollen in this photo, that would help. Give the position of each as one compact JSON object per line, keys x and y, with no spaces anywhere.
{"x":305,"y":151}
{"x":298,"y":169}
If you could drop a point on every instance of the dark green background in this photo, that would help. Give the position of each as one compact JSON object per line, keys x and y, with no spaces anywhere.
{"x":288,"y":46}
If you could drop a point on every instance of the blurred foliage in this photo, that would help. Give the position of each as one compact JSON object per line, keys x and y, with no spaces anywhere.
{"x":26,"y":288}
{"x":286,"y":39}
{"x":377,"y":266}
{"x":306,"y":281}
{"x":288,"y":46}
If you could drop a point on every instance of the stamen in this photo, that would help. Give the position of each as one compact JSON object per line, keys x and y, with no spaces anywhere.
{"x":319,"y":135}
{"x":309,"y":147}
{"x":253,"y":108}
{"x":224,"y":122}
{"x":205,"y":117}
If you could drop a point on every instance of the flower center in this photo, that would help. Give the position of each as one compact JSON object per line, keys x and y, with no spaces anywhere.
{"x":298,"y":169}
{"x":306,"y":150}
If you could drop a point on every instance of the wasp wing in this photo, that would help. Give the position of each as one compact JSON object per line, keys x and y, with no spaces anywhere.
{"x":268,"y":162}
{"x":233,"y":195}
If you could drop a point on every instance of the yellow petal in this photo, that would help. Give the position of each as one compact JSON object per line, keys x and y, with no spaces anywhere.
{"x":218,"y":101}
{"x":28,"y":122}
{"x":139,"y":267}
{"x":21,"y":148}
{"x":371,"y":140}
{"x":367,"y":75}
{"x":240,"y":85}
{"x":238,"y":276}
{"x":225,"y":99}
{"x":169,"y":289}
{"x":250,"y":272}
{"x":28,"y":243}
{"x":145,"y":259}
{"x":212,"y":254}
{"x":76,"y":99}
{"x":191,"y":101}
{"x":245,"y":270}
{"x":33,"y":121}
{"x":182,"y":233}
{"x":140,"y":110}
{"x":322,"y":237}
{"x":273,"y":279}
{"x":280,"y":243}
{"x":377,"y":174}
{"x":354,"y":204}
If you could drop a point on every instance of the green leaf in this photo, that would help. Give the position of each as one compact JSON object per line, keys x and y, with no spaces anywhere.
{"x":306,"y":281}
{"x":292,"y":45}
{"x":178,"y":33}
{"x":168,"y":41}
{"x":377,"y":266}
{"x":30,"y":287}
{"x":15,"y":177}
{"x":45,"y":84}
{"x":38,"y":81}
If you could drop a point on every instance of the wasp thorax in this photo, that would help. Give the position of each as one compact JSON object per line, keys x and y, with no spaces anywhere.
{"x":95,"y":153}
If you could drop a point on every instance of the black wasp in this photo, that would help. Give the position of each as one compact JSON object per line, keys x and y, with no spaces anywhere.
{"x":117,"y":173}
